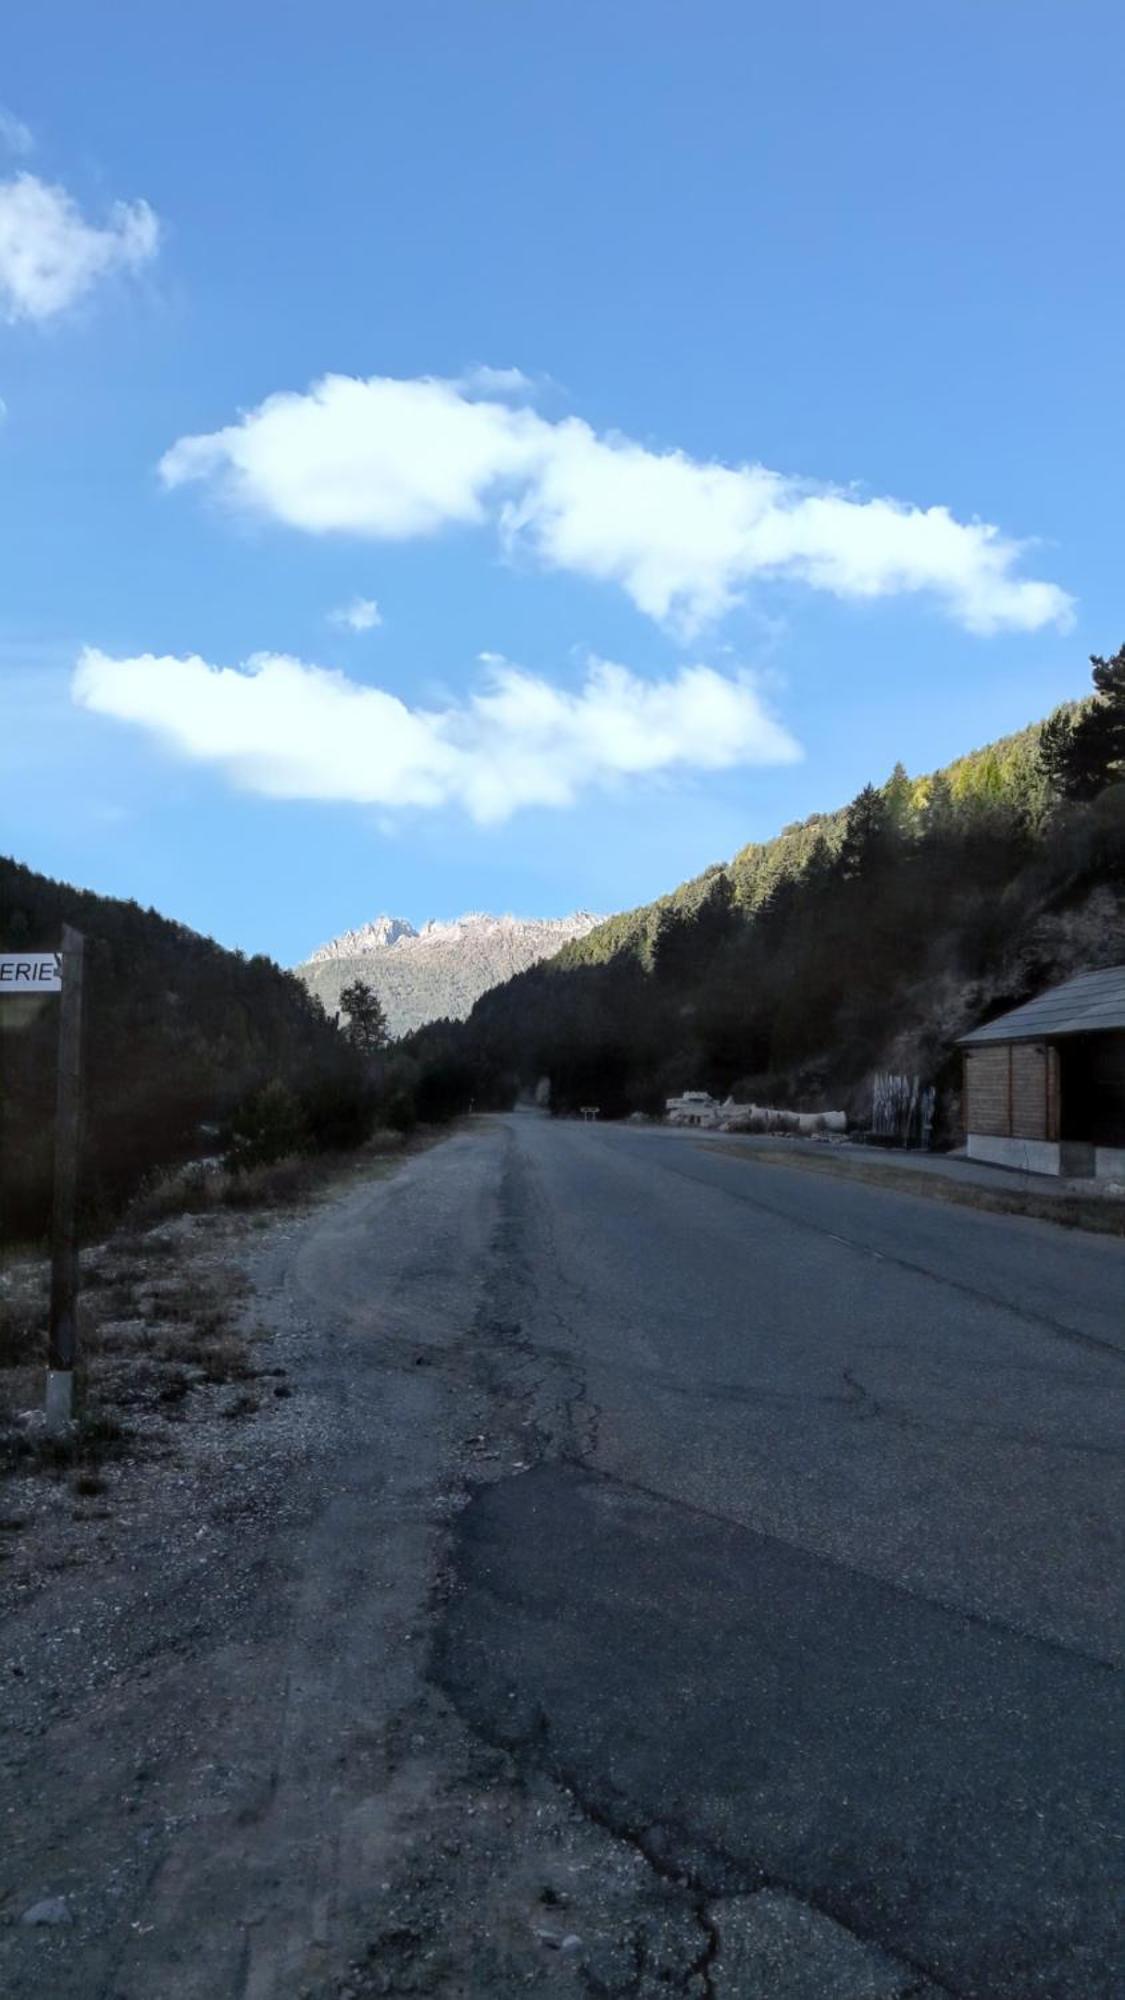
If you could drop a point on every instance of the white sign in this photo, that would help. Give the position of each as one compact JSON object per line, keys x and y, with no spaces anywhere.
{"x":30,"y":972}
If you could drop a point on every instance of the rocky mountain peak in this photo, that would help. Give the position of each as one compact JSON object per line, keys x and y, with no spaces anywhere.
{"x":440,"y":970}
{"x":378,"y":935}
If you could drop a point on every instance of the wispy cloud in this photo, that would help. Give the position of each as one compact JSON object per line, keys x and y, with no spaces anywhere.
{"x":501,"y":382}
{"x":15,"y":136}
{"x":285,"y":729}
{"x":50,"y":256}
{"x":393,"y":460}
{"x":361,"y":615}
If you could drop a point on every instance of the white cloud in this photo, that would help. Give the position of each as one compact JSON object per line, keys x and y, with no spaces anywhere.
{"x":361,"y":615}
{"x":383,"y":458}
{"x":485,"y":381}
{"x":15,"y":136}
{"x":50,"y":256}
{"x":285,"y":729}
{"x":396,"y":459}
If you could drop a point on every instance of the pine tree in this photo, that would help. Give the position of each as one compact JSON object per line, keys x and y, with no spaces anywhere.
{"x":1080,"y":755}
{"x":867,"y":834}
{"x":819,"y":870}
{"x":673,"y":948}
{"x":715,"y":917}
{"x":1056,"y":751}
{"x":940,"y":809}
{"x":899,"y":795}
{"x":366,"y":1027}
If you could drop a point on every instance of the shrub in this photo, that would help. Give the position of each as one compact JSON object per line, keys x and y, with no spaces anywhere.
{"x":400,"y":1113}
{"x":339,"y":1113}
{"x":268,"y":1125}
{"x":271,"y":1183}
{"x":445,"y":1089}
{"x":186,"y":1190}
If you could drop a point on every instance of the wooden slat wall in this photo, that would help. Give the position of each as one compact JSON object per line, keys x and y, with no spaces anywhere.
{"x":1029,"y":1090}
{"x":986,"y":1091}
{"x":1012,"y":1091}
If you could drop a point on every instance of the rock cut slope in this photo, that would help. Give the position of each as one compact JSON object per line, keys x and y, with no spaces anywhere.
{"x":440,"y":971}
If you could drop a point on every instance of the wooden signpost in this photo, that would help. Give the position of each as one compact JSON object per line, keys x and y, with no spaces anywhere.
{"x":21,"y":974}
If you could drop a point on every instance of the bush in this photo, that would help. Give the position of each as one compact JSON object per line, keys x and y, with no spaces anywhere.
{"x":191,"y":1189}
{"x":268,"y":1125}
{"x":445,"y":1089}
{"x":267,"y":1185}
{"x":400,"y":1113}
{"x":339,"y":1113}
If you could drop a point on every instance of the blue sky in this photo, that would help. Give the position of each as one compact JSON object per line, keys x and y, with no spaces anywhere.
{"x":874,"y":250}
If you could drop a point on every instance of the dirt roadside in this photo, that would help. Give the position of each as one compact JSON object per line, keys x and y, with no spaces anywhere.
{"x":227,"y":1771}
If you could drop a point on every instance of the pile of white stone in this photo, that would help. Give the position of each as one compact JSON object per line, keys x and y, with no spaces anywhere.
{"x":765,"y":1118}
{"x":699,"y":1108}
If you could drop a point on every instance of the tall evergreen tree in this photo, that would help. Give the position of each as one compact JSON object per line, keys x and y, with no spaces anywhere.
{"x":940,"y":810}
{"x":868,"y":834}
{"x":899,"y":795}
{"x":366,"y":1028}
{"x":1080,"y":755}
{"x":715,"y":916}
{"x":820,"y":869}
{"x":1056,"y":752}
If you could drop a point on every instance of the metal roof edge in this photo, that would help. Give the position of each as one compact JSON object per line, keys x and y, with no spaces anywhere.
{"x":1080,"y":1001}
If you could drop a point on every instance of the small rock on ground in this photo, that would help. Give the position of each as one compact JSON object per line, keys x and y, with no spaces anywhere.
{"x":52,"y":1910}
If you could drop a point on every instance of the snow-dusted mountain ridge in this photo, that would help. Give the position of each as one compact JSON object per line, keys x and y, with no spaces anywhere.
{"x":440,"y":970}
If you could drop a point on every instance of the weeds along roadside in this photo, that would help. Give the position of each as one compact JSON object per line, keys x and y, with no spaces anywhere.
{"x":167,"y":1334}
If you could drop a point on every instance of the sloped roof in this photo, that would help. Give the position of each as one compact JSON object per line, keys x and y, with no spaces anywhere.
{"x":1091,"y":1004}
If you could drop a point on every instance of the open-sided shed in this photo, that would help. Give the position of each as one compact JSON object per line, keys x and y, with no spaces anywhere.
{"x":1045,"y":1083}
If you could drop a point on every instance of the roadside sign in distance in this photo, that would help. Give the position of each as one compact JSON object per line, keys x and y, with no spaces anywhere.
{"x":30,"y":972}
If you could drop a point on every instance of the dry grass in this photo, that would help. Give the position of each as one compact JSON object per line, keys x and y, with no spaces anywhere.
{"x":203,"y":1186}
{"x":243,"y":1405}
{"x":89,"y":1483}
{"x":94,"y":1439}
{"x":22,"y":1319}
{"x":162,"y":1315}
{"x":160,"y":1324}
{"x":218,"y":1357}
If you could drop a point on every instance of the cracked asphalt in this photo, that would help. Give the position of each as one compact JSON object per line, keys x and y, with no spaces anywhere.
{"x":811,"y":1592}
{"x":671,"y":1575}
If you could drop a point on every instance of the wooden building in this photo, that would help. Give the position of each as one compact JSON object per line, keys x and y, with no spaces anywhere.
{"x":1044,"y":1086}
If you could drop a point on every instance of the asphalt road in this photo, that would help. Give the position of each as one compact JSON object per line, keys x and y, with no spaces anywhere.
{"x":663,"y":1573}
{"x":808,"y":1582}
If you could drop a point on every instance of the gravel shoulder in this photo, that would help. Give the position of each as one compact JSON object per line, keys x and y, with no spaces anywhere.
{"x":226,"y":1768}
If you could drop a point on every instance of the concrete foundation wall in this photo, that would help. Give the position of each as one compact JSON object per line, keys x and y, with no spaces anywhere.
{"x":1045,"y":1156}
{"x":1031,"y":1156}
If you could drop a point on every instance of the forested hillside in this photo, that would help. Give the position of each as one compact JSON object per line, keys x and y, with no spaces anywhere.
{"x":177,"y":1032}
{"x":865,"y":938}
